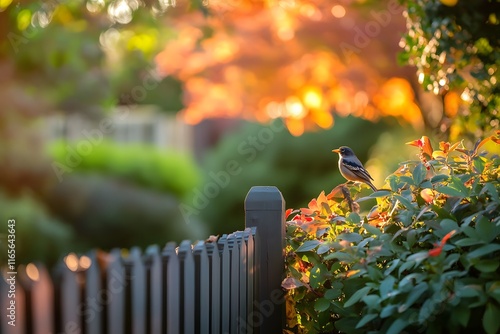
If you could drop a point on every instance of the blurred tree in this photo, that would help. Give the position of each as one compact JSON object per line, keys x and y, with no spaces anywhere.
{"x":83,"y":57}
{"x":290,"y":60}
{"x":455,"y":46}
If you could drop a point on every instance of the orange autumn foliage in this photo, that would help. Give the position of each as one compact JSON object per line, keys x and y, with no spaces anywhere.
{"x":301,"y":62}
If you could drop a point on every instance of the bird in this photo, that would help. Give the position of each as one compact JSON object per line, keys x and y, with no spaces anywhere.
{"x":351,"y":168}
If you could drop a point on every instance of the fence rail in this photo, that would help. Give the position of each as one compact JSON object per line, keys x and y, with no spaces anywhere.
{"x":231,"y":285}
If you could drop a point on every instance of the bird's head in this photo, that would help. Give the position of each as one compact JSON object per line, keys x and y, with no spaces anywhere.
{"x":344,"y":151}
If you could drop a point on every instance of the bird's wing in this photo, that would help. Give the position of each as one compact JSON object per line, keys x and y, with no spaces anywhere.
{"x":357,"y":168}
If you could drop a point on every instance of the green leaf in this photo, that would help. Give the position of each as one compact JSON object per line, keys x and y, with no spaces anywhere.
{"x":397,"y":326}
{"x":406,"y":266}
{"x":490,"y":188}
{"x":486,"y":230}
{"x":484,"y":250}
{"x":308,"y":246}
{"x":322,"y":304}
{"x":387,"y":286}
{"x":490,"y":319}
{"x":426,"y":310}
{"x":468,"y":242}
{"x":380,"y":193}
{"x":393,"y":266}
{"x":353,"y":218}
{"x":487,"y":266}
{"x":458,"y":184}
{"x":462,"y":315}
{"x":414,"y":295}
{"x":372,"y":301}
{"x":469,"y":291}
{"x":418,"y":174}
{"x":318,"y":275}
{"x":351,"y":237}
{"x":439,"y":178}
{"x":388,"y":311}
{"x":372,"y":229}
{"x":332,"y":294}
{"x":323,"y":248}
{"x":366,"y":319}
{"x":448,"y":225}
{"x":411,"y":237}
{"x":450,"y":191}
{"x":450,"y":260}
{"x":406,"y":203}
{"x":407,"y":179}
{"x":341,"y":256}
{"x":356,"y":297}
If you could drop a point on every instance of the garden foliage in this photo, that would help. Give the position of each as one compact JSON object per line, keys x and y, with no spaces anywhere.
{"x":425,"y":259}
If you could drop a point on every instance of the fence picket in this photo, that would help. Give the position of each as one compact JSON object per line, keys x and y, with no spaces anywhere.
{"x":235,"y":277}
{"x":173,"y":295}
{"x":95,"y":295}
{"x":115,"y":287}
{"x":187,"y":287}
{"x":251,"y":292}
{"x":202,"y":314}
{"x":154,"y":290}
{"x":243,"y":282}
{"x":215,"y":284}
{"x":225,"y":284}
{"x":138,"y":281}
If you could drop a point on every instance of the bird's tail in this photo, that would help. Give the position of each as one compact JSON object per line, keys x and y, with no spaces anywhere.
{"x":372,"y":186}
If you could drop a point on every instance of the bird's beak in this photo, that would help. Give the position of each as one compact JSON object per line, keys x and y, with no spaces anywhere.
{"x":336,"y":150}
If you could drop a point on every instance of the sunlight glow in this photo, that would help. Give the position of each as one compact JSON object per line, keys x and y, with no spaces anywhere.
{"x":32,"y":272}
{"x":71,"y":261}
{"x":95,"y":6}
{"x":338,"y":11}
{"x":312,"y":98}
{"x":85,"y":262}
{"x":294,"y":108}
{"x":120,"y":11}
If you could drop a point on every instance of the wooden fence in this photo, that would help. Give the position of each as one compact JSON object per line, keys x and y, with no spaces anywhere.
{"x":231,"y":285}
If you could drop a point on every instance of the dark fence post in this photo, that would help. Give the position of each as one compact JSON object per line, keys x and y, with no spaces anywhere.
{"x":265,"y":210}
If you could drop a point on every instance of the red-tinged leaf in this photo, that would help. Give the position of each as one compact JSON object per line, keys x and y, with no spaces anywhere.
{"x":454,"y":146}
{"x":416,"y":143}
{"x":313,"y":205}
{"x":439,"y":247}
{"x":335,"y":193}
{"x":322,"y":199}
{"x":306,"y":211}
{"x":444,"y":146}
{"x":288,"y":212}
{"x":427,"y":195}
{"x":447,"y":237}
{"x":479,"y":144}
{"x":290,"y":283}
{"x":435,"y":251}
{"x":426,"y":146}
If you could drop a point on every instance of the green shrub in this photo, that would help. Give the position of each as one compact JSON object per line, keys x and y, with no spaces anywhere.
{"x":164,"y":171}
{"x":425,"y":259}
{"x":38,"y":236}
